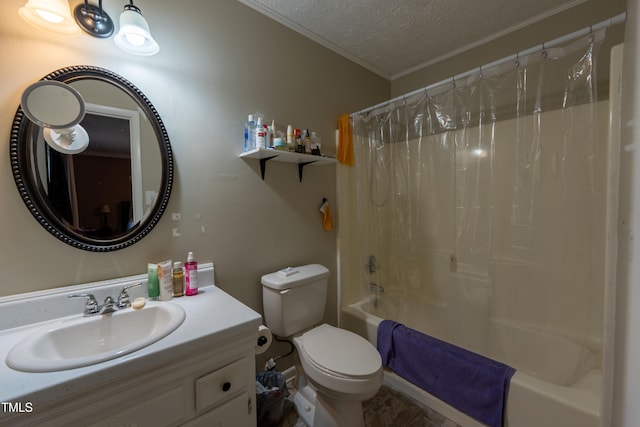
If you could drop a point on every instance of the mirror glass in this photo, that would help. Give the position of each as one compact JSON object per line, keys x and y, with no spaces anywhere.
{"x":113,"y":193}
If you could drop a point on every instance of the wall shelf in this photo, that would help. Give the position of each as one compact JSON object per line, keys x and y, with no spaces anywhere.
{"x":302,"y":160}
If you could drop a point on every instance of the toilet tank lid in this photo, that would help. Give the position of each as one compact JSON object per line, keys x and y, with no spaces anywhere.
{"x":292,"y":277}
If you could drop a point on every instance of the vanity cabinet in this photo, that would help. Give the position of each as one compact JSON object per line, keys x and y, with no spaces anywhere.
{"x":201,"y":374}
{"x":211,"y":388}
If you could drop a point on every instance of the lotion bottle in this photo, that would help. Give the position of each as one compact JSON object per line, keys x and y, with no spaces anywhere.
{"x":191,"y":275}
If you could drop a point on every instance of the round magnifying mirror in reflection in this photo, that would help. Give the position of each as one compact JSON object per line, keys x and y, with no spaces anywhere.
{"x":114,"y":192}
{"x":58,"y":108}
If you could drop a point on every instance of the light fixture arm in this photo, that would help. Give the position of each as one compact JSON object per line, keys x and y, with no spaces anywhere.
{"x":93,"y":20}
{"x":93,"y":13}
{"x":132,"y":6}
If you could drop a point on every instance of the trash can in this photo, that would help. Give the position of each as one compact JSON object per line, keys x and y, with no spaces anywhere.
{"x":271,"y":391}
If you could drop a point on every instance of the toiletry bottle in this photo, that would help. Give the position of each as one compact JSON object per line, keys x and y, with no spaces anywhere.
{"x":191,"y":275}
{"x":315,"y":144}
{"x":290,"y":140}
{"x":307,"y":142}
{"x":250,"y":134}
{"x":260,"y":134}
{"x":274,"y":133}
{"x":267,"y":136}
{"x":165,"y":280}
{"x":152,"y":281}
{"x":178,"y":279}
{"x":299,"y":142}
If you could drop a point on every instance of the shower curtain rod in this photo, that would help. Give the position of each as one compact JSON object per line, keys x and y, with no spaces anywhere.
{"x":618,"y":19}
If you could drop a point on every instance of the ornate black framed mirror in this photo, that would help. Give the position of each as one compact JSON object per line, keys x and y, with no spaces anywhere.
{"x":113,"y":193}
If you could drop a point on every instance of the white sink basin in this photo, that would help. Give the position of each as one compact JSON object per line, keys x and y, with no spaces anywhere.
{"x":83,"y":341}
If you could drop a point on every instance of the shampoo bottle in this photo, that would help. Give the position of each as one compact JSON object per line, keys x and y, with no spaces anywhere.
{"x":191,"y":275}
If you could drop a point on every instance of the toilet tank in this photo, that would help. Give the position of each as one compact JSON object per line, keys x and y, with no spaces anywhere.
{"x":294,"y":298}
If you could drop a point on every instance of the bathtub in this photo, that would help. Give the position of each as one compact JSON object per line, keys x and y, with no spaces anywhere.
{"x":542,"y":392}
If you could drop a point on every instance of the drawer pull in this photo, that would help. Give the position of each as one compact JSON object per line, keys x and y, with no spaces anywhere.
{"x":226,"y":386}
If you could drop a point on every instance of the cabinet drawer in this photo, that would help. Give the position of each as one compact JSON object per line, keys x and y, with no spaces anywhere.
{"x":221,"y":384}
{"x":231,"y":414}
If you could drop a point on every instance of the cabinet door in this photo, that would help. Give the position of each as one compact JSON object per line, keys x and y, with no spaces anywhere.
{"x":237,"y":412}
{"x":165,"y":409}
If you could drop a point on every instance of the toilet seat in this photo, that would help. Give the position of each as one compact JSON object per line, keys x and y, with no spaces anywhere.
{"x":340,"y":352}
{"x":341,"y":362}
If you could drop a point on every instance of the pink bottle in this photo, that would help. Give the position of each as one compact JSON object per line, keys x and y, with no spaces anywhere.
{"x":191,"y":275}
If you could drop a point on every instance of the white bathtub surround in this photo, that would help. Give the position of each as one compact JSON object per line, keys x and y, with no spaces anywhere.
{"x":217,"y":331}
{"x":532,"y":402}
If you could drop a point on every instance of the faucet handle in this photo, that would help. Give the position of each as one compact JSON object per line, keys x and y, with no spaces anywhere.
{"x":123,"y":298}
{"x":91,"y":305}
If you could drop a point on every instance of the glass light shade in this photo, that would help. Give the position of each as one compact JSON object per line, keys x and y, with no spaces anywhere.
{"x":52,"y":15}
{"x":134,"y":35}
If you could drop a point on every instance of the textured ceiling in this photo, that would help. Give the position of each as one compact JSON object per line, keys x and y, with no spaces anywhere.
{"x":394,"y":37}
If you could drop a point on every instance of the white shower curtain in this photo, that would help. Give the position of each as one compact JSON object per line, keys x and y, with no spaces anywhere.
{"x":485,"y":196}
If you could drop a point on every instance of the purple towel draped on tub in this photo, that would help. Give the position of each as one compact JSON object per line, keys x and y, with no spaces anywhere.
{"x":474,"y":384}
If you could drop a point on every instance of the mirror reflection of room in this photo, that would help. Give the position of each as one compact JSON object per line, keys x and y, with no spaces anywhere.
{"x":92,"y":190}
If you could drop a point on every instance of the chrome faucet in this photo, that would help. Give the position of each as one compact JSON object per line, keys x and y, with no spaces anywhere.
{"x":123,"y":298}
{"x":92,"y":308}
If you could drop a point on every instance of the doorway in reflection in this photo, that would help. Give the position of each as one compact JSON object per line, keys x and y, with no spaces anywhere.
{"x":94,"y":191}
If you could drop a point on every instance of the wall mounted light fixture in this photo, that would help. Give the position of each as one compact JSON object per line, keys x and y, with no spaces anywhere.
{"x":134,"y":35}
{"x":52,"y":15}
{"x":93,"y":20}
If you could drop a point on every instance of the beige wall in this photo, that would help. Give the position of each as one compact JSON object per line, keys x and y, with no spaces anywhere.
{"x":218,"y":62}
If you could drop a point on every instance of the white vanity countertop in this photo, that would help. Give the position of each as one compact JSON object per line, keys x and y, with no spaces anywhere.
{"x":213,"y":318}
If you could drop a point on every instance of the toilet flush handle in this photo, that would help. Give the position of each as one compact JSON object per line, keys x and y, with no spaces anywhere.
{"x":284,"y":291}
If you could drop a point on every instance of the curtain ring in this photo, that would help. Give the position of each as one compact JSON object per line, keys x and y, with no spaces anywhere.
{"x":544,"y":52}
{"x":480,"y":68}
{"x":517,"y":61}
{"x":453,"y":82}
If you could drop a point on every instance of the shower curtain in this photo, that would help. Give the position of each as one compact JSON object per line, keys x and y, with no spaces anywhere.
{"x":485,"y":196}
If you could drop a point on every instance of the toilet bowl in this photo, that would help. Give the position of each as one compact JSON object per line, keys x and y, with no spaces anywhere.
{"x":339,"y":370}
{"x":336,"y":369}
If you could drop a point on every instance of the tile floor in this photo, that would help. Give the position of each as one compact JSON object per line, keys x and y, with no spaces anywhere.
{"x":388,"y":408}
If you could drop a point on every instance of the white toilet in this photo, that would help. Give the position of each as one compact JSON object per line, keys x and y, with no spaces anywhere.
{"x":340,"y":368}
